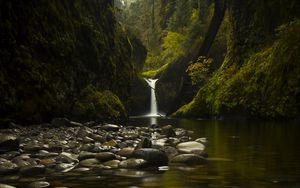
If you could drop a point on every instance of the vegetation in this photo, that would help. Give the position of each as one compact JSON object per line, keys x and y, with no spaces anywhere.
{"x":51,"y":50}
{"x":267,"y":85}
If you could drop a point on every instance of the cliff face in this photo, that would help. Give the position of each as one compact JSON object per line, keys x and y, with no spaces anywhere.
{"x":259,"y":76}
{"x":52,"y":50}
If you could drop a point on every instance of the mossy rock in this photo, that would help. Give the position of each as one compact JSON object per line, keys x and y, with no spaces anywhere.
{"x":99,"y":106}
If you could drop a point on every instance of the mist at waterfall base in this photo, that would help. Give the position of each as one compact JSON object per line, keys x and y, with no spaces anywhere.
{"x":153,"y":111}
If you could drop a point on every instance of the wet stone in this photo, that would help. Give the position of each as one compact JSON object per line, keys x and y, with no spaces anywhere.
{"x":6,"y":186}
{"x":39,"y":184}
{"x":189,"y":159}
{"x":126,"y":152}
{"x":89,"y":162}
{"x":33,"y":170}
{"x":86,"y":155}
{"x":9,"y":143}
{"x":110,"y":127}
{"x":133,"y":164}
{"x":105,"y":156}
{"x":154,"y":157}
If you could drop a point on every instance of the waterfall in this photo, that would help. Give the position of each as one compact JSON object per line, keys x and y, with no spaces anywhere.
{"x":153,"y":108}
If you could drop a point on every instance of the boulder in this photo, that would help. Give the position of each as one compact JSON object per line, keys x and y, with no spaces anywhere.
{"x":9,"y":143}
{"x":189,"y":159}
{"x":154,"y":157}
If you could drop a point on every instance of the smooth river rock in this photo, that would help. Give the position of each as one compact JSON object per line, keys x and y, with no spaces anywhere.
{"x":6,"y":186}
{"x":105,"y":156}
{"x":9,"y":143}
{"x":33,"y":170}
{"x":110,"y":127}
{"x":39,"y":184}
{"x":133,"y":164}
{"x":190,"y":147}
{"x":189,"y":159}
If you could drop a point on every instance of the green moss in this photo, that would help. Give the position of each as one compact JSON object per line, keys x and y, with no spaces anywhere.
{"x":99,"y":105}
{"x":267,"y":85}
{"x":155,"y":73}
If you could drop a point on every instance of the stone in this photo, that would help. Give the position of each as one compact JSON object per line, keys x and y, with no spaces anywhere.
{"x":133,"y":164}
{"x":110,"y":127}
{"x":33,"y":170}
{"x":105,"y":156}
{"x":126,"y":152}
{"x":86,"y":155}
{"x":98,"y":138}
{"x":170,"y":151}
{"x":8,"y":168}
{"x":51,"y":162}
{"x":189,"y":159}
{"x":9,"y":143}
{"x":202,"y":140}
{"x":154,"y":157}
{"x":6,"y":186}
{"x":144,"y":143}
{"x":87,"y":139}
{"x":64,"y":167}
{"x":168,"y":131}
{"x":111,"y":143}
{"x":190,"y":147}
{"x":112,"y":163}
{"x":67,"y":157}
{"x":89,"y":162}
{"x":84,"y":131}
{"x":39,"y":184}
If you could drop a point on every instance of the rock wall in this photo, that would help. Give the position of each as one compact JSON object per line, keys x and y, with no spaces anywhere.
{"x":52,"y":50}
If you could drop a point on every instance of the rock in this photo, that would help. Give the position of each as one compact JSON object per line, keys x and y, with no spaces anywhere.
{"x":190,"y":147}
{"x":39,"y":184}
{"x":105,"y":156}
{"x":154,"y":157}
{"x":55,"y":148}
{"x":202,"y":140}
{"x":110,"y":127}
{"x":98,"y":138}
{"x":33,"y":170}
{"x":168,"y":131}
{"x":48,"y":162}
{"x":89,"y":162}
{"x":86,"y":155}
{"x":133,"y":164}
{"x":111,"y":143}
{"x":189,"y":159}
{"x":6,"y":186}
{"x":87,"y":139}
{"x":75,"y":124}
{"x":170,"y":151}
{"x":9,"y":143}
{"x":126,"y":152}
{"x":7,"y":167}
{"x":84,"y":131}
{"x":144,"y":143}
{"x":64,"y":167}
{"x":67,"y":157}
{"x":32,"y":147}
{"x":60,"y":122}
{"x":112,"y":163}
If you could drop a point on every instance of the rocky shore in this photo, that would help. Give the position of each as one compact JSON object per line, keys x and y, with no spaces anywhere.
{"x":66,"y":146}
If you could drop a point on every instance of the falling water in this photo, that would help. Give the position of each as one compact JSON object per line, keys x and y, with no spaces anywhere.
{"x":153,"y":104}
{"x":153,"y":108}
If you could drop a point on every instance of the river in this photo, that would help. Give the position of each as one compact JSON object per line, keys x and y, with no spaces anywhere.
{"x":241,"y":154}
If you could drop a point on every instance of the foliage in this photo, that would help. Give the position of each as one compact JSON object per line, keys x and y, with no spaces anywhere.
{"x":51,"y":50}
{"x":266,"y":85}
{"x":155,"y":73}
{"x":99,"y":105}
{"x":200,"y":71}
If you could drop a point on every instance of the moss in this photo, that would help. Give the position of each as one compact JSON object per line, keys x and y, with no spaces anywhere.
{"x":99,"y":105}
{"x":155,"y":73}
{"x":265,"y":86}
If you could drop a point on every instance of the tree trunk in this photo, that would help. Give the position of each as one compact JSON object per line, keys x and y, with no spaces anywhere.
{"x":219,"y":12}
